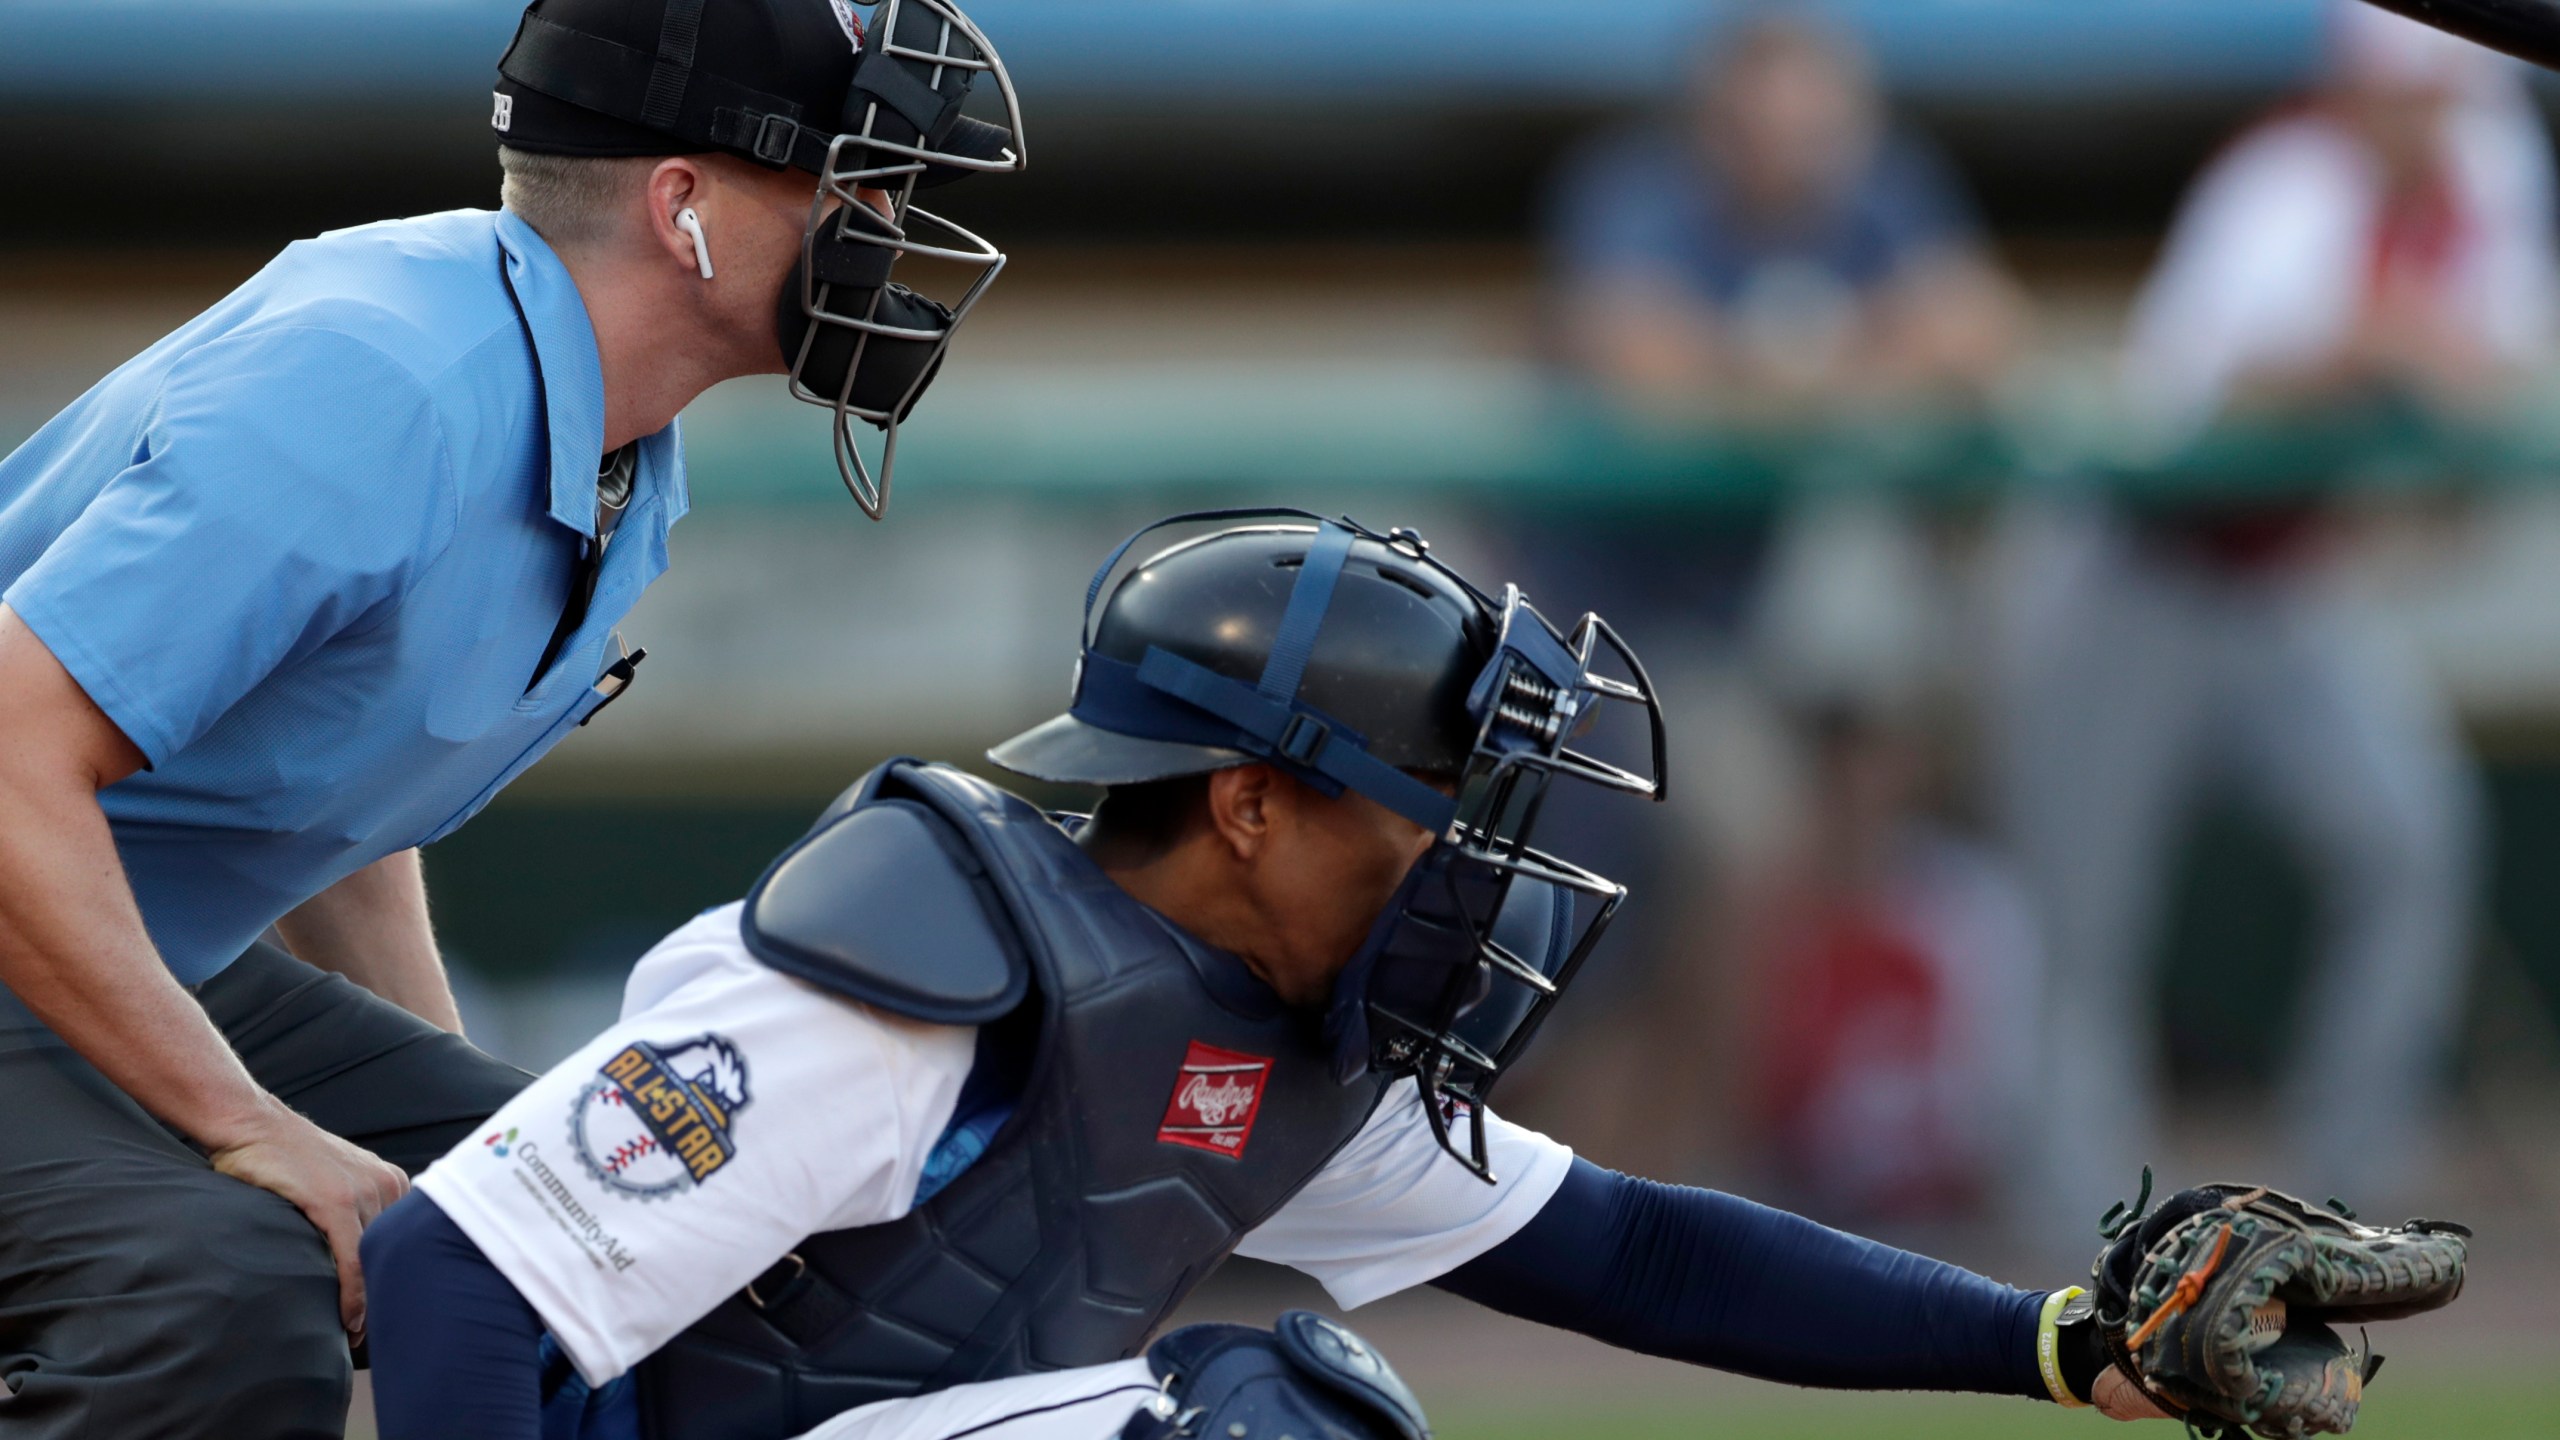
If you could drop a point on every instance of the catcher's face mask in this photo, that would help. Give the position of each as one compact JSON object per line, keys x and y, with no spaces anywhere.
{"x":857,"y":342}
{"x":1467,"y":958}
{"x":1465,"y":962}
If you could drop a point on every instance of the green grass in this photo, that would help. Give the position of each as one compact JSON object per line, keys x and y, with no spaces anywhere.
{"x":2504,"y":1409}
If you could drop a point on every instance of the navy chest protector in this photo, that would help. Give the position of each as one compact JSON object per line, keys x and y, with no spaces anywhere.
{"x":1168,"y":1106}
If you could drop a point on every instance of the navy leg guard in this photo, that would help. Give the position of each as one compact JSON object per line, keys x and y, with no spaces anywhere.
{"x":1310,"y":1379}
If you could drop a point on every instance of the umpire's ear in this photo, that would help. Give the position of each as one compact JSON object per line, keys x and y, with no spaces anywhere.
{"x":676,"y":185}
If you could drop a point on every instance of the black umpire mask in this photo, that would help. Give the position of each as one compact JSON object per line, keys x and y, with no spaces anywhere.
{"x":872,"y":109}
{"x":848,"y":332}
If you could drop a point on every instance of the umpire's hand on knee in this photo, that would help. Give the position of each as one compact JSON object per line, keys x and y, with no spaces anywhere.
{"x":338,"y":1186}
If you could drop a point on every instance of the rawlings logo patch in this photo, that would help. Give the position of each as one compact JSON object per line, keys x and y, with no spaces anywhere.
{"x":657,"y":1118}
{"x":1214,"y":1100}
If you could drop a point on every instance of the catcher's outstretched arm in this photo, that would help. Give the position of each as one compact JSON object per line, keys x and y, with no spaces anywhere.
{"x":1715,"y":1280}
{"x":2526,"y":29}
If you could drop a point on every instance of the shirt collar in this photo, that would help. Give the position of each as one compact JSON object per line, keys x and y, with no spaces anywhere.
{"x":662,"y":470}
{"x":564,"y":344}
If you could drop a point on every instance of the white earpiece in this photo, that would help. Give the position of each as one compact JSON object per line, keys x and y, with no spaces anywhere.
{"x":691,"y":224}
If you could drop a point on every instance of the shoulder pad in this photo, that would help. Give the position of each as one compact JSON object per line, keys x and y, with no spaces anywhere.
{"x":886,"y":904}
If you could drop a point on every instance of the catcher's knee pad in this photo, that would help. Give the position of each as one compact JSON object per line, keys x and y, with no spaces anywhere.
{"x":1308,"y":1379}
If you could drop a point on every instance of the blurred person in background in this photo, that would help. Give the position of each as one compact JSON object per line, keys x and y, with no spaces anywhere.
{"x":1893,"y":964}
{"x":1770,"y":251}
{"x":1775,"y":243}
{"x":2388,"y":241}
{"x":1888,"y":957}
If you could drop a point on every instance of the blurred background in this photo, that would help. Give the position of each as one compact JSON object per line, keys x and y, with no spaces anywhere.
{"x":2077,"y":468}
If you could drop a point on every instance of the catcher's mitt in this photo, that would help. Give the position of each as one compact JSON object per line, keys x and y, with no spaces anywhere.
{"x":2219,"y":1304}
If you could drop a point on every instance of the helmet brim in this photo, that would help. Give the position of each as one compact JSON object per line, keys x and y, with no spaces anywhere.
{"x":1067,"y":751}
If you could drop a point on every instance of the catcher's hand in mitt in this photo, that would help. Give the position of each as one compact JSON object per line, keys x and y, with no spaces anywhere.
{"x":2219,"y":1305}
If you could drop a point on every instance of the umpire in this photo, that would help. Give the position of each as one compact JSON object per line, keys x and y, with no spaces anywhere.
{"x":300,"y":587}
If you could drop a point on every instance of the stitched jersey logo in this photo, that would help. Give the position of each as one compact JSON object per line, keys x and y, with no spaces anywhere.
{"x":657,"y":1118}
{"x":1214,"y":1100}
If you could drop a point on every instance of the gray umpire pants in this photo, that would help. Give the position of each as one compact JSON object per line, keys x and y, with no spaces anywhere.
{"x":144,"y":1295}
{"x":2133,"y":681}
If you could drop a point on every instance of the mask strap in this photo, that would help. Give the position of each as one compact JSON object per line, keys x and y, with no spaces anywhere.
{"x":1309,"y":599}
{"x":1285,"y":732}
{"x":677,"y":31}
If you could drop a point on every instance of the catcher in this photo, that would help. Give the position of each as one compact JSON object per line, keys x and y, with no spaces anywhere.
{"x":928,"y":1135}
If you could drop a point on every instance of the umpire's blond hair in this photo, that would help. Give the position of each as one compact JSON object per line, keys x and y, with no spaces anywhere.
{"x":569,"y":199}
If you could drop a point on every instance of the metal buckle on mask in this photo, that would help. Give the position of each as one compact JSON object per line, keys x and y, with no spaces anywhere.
{"x":903,"y":232}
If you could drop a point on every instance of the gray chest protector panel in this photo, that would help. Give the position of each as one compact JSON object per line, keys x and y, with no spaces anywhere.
{"x":1169,"y":1106}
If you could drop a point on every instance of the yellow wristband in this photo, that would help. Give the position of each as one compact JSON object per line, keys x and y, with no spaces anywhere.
{"x":2049,"y":1349}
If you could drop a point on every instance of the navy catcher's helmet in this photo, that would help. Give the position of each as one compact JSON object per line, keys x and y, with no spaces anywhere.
{"x":1354,"y":660}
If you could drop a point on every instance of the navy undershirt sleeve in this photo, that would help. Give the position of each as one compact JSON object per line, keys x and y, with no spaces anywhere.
{"x":1710,"y":1278}
{"x":456,"y":1350}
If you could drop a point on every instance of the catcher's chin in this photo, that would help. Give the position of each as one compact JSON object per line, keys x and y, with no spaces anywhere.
{"x":2118,"y":1398}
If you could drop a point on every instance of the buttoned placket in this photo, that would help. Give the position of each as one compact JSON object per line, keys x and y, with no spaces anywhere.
{"x":613,"y":496}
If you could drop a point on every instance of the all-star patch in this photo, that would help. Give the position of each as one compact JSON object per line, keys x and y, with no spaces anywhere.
{"x":658,"y":1118}
{"x":1214,"y":1100}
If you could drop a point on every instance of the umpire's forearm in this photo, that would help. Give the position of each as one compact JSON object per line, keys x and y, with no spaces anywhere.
{"x":372,"y":927}
{"x":73,"y":948}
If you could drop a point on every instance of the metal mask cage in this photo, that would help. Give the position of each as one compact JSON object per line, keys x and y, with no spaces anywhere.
{"x":1522,"y":749}
{"x":902,"y":232}
{"x":978,"y":58}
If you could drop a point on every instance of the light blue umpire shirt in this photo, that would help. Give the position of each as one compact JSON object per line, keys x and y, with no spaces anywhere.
{"x":307,"y":551}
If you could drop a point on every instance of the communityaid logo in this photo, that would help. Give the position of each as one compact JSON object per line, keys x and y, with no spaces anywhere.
{"x":498,"y":1143}
{"x":657,"y":1118}
{"x":561,"y":1203}
{"x":1214,"y":1100}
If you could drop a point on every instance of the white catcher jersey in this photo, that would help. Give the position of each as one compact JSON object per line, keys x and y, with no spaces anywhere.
{"x":774,"y":1110}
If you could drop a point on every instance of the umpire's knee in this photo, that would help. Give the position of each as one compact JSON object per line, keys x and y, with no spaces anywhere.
{"x":249,"y":1337}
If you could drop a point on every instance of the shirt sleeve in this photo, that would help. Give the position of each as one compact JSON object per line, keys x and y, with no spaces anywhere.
{"x":2510,"y":293}
{"x":289,"y":482}
{"x":1393,"y":1211}
{"x":681,"y":1153}
{"x":2258,"y":270}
